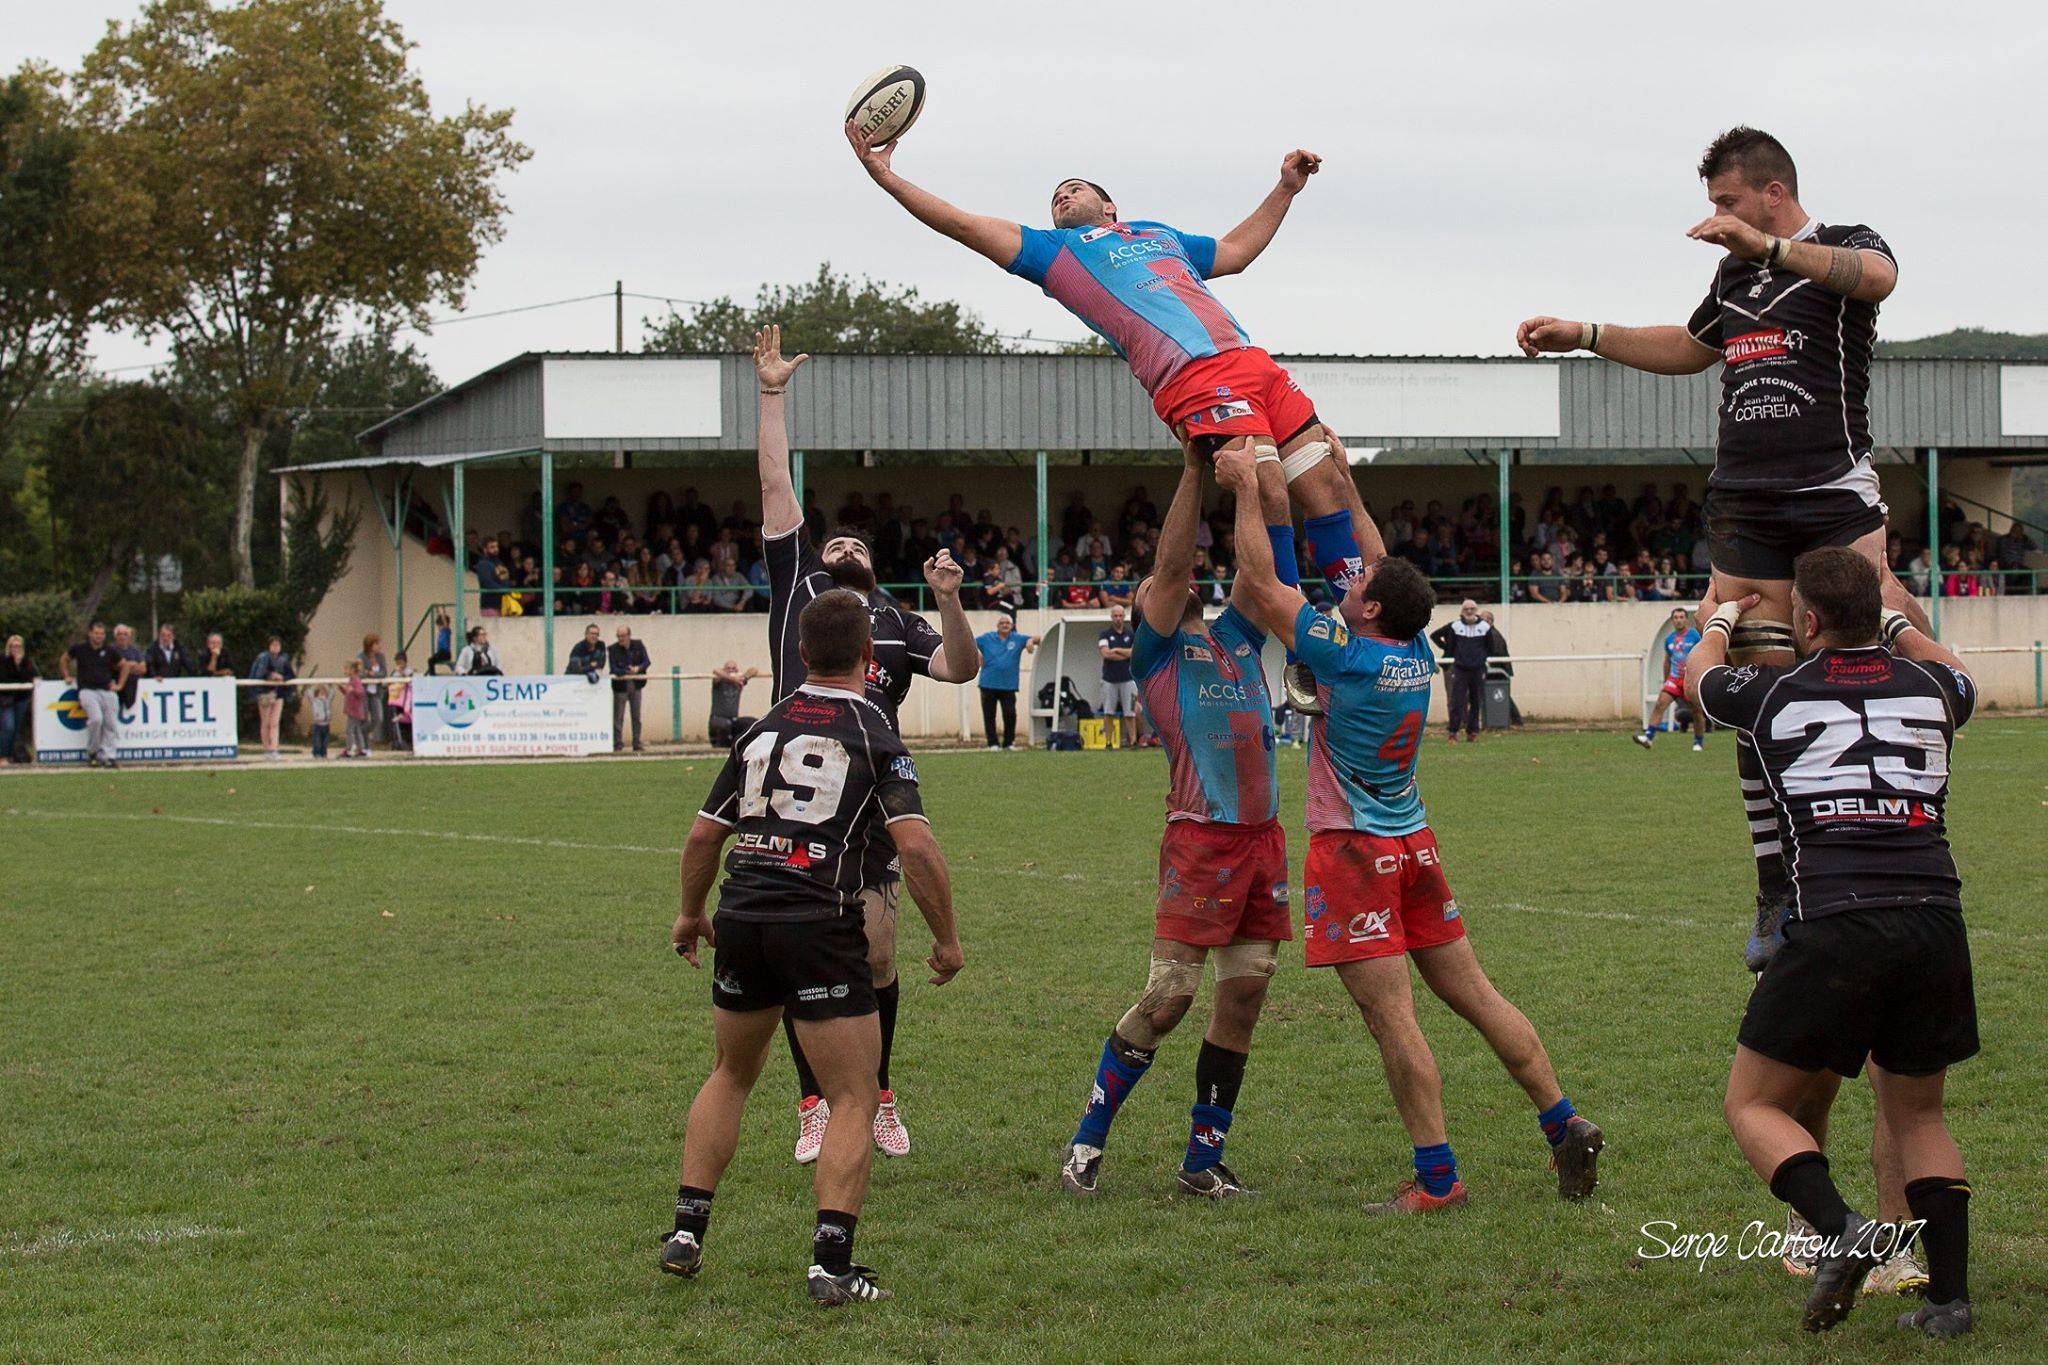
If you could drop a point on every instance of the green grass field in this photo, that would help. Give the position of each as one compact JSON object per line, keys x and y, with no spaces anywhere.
{"x":368,"y":1062}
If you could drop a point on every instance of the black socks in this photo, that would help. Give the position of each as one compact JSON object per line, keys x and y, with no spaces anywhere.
{"x":693,"y":1210}
{"x":832,"y":1242}
{"x":1943,"y":1202}
{"x":1219,"y":1073}
{"x":885,"y":1000}
{"x":1803,"y":1182}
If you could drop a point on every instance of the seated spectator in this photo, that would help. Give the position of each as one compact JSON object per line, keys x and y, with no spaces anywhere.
{"x":572,"y":515}
{"x":661,"y":512}
{"x":2013,"y":547}
{"x":729,"y":585}
{"x":478,"y":659}
{"x":697,"y":588}
{"x":1545,"y":583}
{"x":581,"y":594}
{"x":644,"y":582}
{"x":1094,"y":543}
{"x":856,"y":513}
{"x":757,"y":579}
{"x":1415,"y":549}
{"x":1117,"y":588}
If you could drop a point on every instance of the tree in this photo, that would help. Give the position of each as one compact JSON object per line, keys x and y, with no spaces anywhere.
{"x":298,"y":179}
{"x":1971,"y":343}
{"x":829,"y":313}
{"x":60,"y":239}
{"x":128,"y":467}
{"x":359,"y":382}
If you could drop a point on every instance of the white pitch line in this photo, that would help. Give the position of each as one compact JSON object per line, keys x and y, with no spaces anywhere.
{"x":572,"y":845}
{"x":66,"y":1240}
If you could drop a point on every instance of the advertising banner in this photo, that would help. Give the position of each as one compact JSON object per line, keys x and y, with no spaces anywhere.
{"x":172,"y":718}
{"x":495,"y":717}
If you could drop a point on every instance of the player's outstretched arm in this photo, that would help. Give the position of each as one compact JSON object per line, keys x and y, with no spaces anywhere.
{"x":998,"y":239}
{"x":1912,"y":641}
{"x":1173,"y":562}
{"x":959,"y":659}
{"x":931,"y":886}
{"x":699,"y":869}
{"x":779,"y":510}
{"x":1659,"y":350}
{"x":1243,"y":244}
{"x":1257,"y":590}
{"x":1855,"y":272}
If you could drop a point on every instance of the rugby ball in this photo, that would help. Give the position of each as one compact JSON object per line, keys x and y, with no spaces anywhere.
{"x":887,"y":103}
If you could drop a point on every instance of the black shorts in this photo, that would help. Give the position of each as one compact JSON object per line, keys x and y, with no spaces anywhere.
{"x":1757,"y":533}
{"x":815,"y":969}
{"x":1892,"y":985}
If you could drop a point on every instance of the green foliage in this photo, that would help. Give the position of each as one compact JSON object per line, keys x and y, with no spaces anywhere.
{"x":1970,"y":343}
{"x":245,"y":617}
{"x":297,"y":178}
{"x":318,"y":547}
{"x":829,"y":312}
{"x":44,"y":621}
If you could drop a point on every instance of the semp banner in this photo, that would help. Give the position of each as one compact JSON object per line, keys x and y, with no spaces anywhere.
{"x":492,"y":717}
{"x":172,"y":718}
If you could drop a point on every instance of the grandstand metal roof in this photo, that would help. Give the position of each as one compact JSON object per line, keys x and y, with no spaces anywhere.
{"x":583,"y":401}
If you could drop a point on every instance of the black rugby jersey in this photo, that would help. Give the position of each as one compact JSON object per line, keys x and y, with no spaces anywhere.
{"x":1795,"y":380}
{"x":904,"y":641}
{"x":1855,"y":745}
{"x":809,"y":792}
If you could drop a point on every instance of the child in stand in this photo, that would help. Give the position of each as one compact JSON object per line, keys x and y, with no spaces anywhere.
{"x":323,"y":719}
{"x":355,"y":704}
{"x":401,"y":701}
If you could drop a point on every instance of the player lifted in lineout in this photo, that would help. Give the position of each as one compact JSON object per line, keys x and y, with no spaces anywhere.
{"x":1222,"y":860}
{"x":1374,"y":891}
{"x":1678,"y":644}
{"x":904,"y":645}
{"x":1141,"y":286}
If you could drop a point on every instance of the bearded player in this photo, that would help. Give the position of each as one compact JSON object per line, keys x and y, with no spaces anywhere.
{"x":1376,"y":894}
{"x":904,"y":645}
{"x":1792,"y":317}
{"x":1141,"y":286}
{"x":1222,"y":862}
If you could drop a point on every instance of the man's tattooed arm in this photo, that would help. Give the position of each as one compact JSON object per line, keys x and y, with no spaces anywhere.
{"x":1865,"y":275}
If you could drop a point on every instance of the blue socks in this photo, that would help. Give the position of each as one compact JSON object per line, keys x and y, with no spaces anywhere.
{"x":1335,"y":549}
{"x":1556,"y":1117}
{"x":1206,"y":1132}
{"x":1121,"y":1067}
{"x":1436,"y":1169}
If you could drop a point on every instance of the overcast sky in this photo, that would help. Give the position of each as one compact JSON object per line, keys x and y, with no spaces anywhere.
{"x":1481,"y":161}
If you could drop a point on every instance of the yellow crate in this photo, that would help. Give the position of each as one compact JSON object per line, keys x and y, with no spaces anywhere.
{"x":1095,"y":733}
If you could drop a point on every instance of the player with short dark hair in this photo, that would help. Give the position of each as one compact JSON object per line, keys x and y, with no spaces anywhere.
{"x":1375,"y":892}
{"x":1678,"y":642}
{"x":805,"y":796}
{"x":1222,"y":860}
{"x":1856,"y":741}
{"x":904,"y":644}
{"x":1142,"y":287}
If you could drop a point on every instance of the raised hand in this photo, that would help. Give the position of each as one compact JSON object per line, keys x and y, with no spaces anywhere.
{"x":773,"y":370}
{"x":873,"y":159}
{"x":1296,"y":167}
{"x":1236,"y":469}
{"x":1732,"y":235}
{"x":1541,"y":334}
{"x":942,"y":575}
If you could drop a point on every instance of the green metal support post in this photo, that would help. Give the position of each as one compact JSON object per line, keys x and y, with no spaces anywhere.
{"x":459,"y":535}
{"x":1934,"y":539}
{"x":547,"y":561}
{"x":1044,"y":566}
{"x":796,"y":480}
{"x":675,"y":703}
{"x":1506,"y":457}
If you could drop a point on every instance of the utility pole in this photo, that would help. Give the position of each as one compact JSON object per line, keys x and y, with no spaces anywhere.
{"x":619,"y":316}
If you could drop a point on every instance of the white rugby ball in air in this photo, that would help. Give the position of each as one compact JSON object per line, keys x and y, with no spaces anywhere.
{"x":887,"y":103}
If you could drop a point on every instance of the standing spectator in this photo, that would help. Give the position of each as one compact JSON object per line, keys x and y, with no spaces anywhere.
{"x":167,"y":657}
{"x":629,"y":664}
{"x":322,"y":708}
{"x":1001,"y":651}
{"x":2012,"y":549}
{"x":375,"y":670}
{"x":1464,"y":643}
{"x":490,"y":579}
{"x":1119,"y":694}
{"x":97,"y":672}
{"x":589,"y":655}
{"x":15,"y":707}
{"x":443,"y":655}
{"x":728,"y":680}
{"x":1500,"y":664}
{"x":275,"y":666}
{"x":131,"y":679}
{"x":355,"y":707}
{"x":401,"y":701}
{"x":478,"y":659}
{"x":217,"y":662}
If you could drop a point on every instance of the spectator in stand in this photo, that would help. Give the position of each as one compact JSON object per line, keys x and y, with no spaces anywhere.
{"x":167,"y":657}
{"x":355,"y":710}
{"x":1589,"y":587}
{"x":16,"y":668}
{"x":1117,"y":588}
{"x":1415,"y":549}
{"x":1500,"y":664}
{"x":1545,"y":585}
{"x":217,"y":662}
{"x":1094,"y":543}
{"x":1518,"y":587}
{"x":729,"y":585}
{"x":1465,"y":643}
{"x":375,"y":670}
{"x":728,"y":680}
{"x":97,"y":672}
{"x":573,"y":516}
{"x":692,"y":511}
{"x":996,"y":595}
{"x":1011,"y":572}
{"x":612,"y":518}
{"x":478,"y":659}
{"x":490,"y":578}
{"x":697,"y":588}
{"x":320,"y":709}
{"x":855,"y":512}
{"x":2013,"y":548}
{"x":630,"y":666}
{"x":1665,"y":588}
{"x":1119,"y":697}
{"x":589,"y":654}
{"x":1075,"y":519}
{"x":579,"y":597}
{"x":273,"y":665}
{"x":757,"y":579}
{"x":644,"y":581}
{"x":400,"y":689}
{"x":1002,"y":651}
{"x":661,"y":512}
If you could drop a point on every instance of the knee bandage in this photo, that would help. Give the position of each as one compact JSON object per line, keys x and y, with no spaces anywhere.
{"x":1266,"y":455}
{"x":1245,"y":959}
{"x":1168,"y":981}
{"x":1304,"y":459}
{"x":1752,"y":639}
